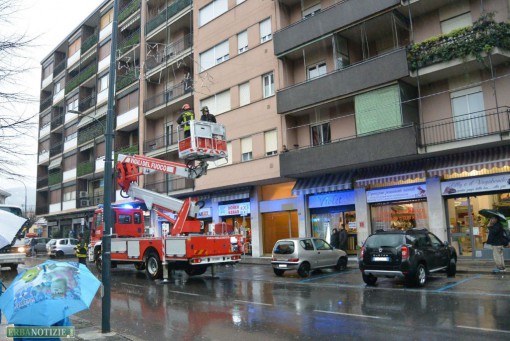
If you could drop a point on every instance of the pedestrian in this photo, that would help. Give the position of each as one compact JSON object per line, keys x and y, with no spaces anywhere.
{"x":342,"y":238}
{"x":498,"y":241}
{"x":334,"y":238}
{"x":207,"y":116}
{"x":33,"y":243}
{"x":81,"y":249}
{"x":71,"y":234}
{"x":184,"y":118}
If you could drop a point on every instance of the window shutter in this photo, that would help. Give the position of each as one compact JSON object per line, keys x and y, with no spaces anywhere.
{"x":242,"y":42}
{"x":244,"y":94}
{"x":223,"y":102}
{"x":271,"y":142}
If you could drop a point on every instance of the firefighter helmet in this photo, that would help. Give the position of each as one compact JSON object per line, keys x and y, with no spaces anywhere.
{"x":186,"y":107}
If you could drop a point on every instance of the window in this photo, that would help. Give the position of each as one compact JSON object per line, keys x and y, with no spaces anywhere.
{"x":246,"y":149}
{"x":103,"y":83}
{"x":168,"y":134}
{"x":106,"y":19}
{"x":211,"y":11}
{"x":124,"y":219}
{"x":316,"y":70}
{"x":320,"y":134}
{"x":74,"y":47}
{"x":47,"y":71}
{"x":456,"y":22}
{"x":59,"y":85}
{"x":265,"y":30}
{"x":105,"y":50}
{"x":244,"y":94}
{"x":268,"y":85}
{"x":242,"y":42}
{"x":127,"y":103}
{"x":469,"y":113}
{"x":218,"y":103}
{"x":311,"y":11}
{"x":271,"y":142}
{"x":72,"y":104}
{"x":214,"y":56}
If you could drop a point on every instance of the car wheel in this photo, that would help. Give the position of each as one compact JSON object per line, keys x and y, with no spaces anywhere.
{"x":278,"y":272}
{"x":195,"y":270}
{"x":452,"y":268}
{"x":304,"y":269}
{"x":153,"y":266}
{"x":341,"y":265}
{"x":420,"y":277}
{"x":60,"y":254}
{"x":369,"y":279}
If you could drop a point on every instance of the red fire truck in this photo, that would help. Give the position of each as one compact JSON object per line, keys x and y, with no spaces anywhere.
{"x":175,"y":238}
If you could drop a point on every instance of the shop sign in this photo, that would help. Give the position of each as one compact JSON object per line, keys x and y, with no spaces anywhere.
{"x":397,"y":193}
{"x":204,"y":213}
{"x":242,"y":209}
{"x":473,"y":185}
{"x":331,"y":199}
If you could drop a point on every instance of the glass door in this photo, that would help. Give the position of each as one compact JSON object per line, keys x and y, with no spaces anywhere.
{"x":460,"y":227}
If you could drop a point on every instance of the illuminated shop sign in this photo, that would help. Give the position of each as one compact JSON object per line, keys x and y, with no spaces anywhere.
{"x":331,"y":199}
{"x":397,"y":193}
{"x":474,"y":185}
{"x":241,"y":209}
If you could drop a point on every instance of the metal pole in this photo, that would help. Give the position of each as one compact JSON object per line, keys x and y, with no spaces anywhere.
{"x":108,"y":163}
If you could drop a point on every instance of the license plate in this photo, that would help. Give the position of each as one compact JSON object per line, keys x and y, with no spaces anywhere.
{"x":282,"y":265}
{"x":381,"y":259}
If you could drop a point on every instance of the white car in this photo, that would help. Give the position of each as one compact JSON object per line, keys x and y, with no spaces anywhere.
{"x":61,"y":247}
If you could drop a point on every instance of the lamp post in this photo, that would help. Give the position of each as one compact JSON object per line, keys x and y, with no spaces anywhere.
{"x":25,"y":210}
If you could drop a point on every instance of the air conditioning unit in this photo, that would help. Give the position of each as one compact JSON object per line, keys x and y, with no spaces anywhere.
{"x":84,"y":194}
{"x":84,"y":202}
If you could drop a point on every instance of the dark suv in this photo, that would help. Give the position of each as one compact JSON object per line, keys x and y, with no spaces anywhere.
{"x":411,"y":254}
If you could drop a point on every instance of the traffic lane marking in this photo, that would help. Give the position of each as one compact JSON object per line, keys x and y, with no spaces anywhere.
{"x":485,"y":329}
{"x":446,"y":287}
{"x":354,"y":315}
{"x":183,"y":293}
{"x":326,"y":276}
{"x":257,"y":303}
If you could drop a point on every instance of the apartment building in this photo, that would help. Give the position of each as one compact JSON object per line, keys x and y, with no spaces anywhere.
{"x":396,"y":115}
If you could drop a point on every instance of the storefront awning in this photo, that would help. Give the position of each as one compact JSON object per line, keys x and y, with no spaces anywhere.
{"x":55,"y":163}
{"x":471,"y":161}
{"x":230,"y":195}
{"x":324,"y":183}
{"x":411,"y":171}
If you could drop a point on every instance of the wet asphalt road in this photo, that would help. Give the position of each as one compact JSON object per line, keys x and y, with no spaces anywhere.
{"x":248,"y":302}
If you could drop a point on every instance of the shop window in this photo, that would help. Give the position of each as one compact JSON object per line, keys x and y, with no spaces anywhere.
{"x":399,"y":216}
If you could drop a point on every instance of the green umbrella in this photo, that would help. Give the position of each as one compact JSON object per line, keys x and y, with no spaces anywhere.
{"x":490,"y":213}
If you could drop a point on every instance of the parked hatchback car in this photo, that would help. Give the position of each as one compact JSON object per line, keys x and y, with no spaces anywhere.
{"x":40,"y":246}
{"x":413,"y":255}
{"x":306,"y":254}
{"x":61,"y":247}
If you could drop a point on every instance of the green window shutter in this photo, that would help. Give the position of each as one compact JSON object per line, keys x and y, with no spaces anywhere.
{"x":378,"y":109}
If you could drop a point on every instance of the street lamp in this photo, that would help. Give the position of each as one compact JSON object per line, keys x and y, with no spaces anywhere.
{"x":25,"y":194}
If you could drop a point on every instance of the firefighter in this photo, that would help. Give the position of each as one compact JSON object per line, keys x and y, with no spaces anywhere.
{"x":81,"y":249}
{"x":186,"y":116}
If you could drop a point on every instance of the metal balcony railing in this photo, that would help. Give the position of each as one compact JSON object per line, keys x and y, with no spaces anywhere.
{"x":87,"y":102}
{"x":161,"y":56}
{"x":56,"y":149}
{"x":89,"y":43}
{"x":59,"y":67}
{"x":129,"y":9}
{"x":127,"y":43}
{"x":57,"y":121}
{"x":168,"y":95}
{"x":166,"y":14}
{"x":463,"y":127}
{"x":45,"y":103}
{"x":161,"y":142}
{"x":126,"y":150}
{"x":170,"y":185}
{"x":88,"y":72}
{"x":91,"y":132}
{"x":85,"y":168}
{"x":42,"y":181}
{"x":54,"y":178}
{"x":42,"y":209}
{"x":126,"y":79}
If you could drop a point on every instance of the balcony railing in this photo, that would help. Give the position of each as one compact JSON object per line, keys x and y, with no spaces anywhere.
{"x":126,"y":79}
{"x":167,"y":96}
{"x":133,"y":149}
{"x":85,"y":168}
{"x":81,"y":77}
{"x":463,"y":127}
{"x":56,"y":149}
{"x":127,"y":43}
{"x":42,"y":209}
{"x":91,"y":132}
{"x":87,"y":103}
{"x":59,"y":67}
{"x":170,"y":185}
{"x":55,"y":178}
{"x":166,"y":14}
{"x":160,"y":142}
{"x":45,"y":103}
{"x":91,"y":41}
{"x":170,"y":51}
{"x":57,"y":121}
{"x":479,"y":39}
{"x":129,"y":9}
{"x":42,"y":181}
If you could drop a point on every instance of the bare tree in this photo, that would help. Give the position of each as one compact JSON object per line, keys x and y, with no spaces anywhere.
{"x":15,"y":123}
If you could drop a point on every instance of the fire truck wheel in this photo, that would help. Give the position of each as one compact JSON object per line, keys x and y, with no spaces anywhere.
{"x":153,"y":266}
{"x":195,"y":270}
{"x":140,"y":266}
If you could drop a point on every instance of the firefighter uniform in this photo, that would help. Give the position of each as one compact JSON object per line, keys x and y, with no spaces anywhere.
{"x":81,"y":251}
{"x":183,"y":120}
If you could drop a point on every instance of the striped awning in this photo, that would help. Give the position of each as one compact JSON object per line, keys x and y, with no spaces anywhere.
{"x":409,"y":171}
{"x":230,"y":195}
{"x":55,"y":163}
{"x":466,"y":162}
{"x":323,"y":183}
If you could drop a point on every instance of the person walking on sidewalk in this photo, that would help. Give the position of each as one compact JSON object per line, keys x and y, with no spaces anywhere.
{"x":342,"y":238}
{"x":81,"y":250}
{"x":498,"y":241}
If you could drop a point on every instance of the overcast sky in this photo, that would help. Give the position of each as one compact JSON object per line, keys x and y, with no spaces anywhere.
{"x":50,"y":21}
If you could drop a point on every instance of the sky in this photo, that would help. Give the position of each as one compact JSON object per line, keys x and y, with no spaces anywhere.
{"x":49,"y":22}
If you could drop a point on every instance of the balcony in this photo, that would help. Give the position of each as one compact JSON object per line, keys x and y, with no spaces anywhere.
{"x":160,"y":142}
{"x":356,"y":77}
{"x":166,"y":14}
{"x":44,"y":156}
{"x":127,"y":43}
{"x":43,"y":209}
{"x":81,"y":77}
{"x":328,"y":20}
{"x":171,"y":185}
{"x":42,"y":182}
{"x":165,"y":97}
{"x":126,"y":79}
{"x":169,"y":53}
{"x":55,"y":178}
{"x":126,"y":150}
{"x":85,"y":168}
{"x":362,"y":151}
{"x":57,"y":121}
{"x":45,"y":130}
{"x":69,"y":175}
{"x":129,"y":9}
{"x":87,"y":102}
{"x":486,"y":123}
{"x":45,"y":103}
{"x":56,"y":149}
{"x":59,"y":68}
{"x":128,"y":120}
{"x":89,"y":43}
{"x":95,"y":130}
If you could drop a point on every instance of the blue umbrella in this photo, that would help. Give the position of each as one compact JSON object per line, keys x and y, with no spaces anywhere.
{"x":49,"y":292}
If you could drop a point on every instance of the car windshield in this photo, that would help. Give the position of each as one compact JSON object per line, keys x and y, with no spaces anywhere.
{"x":284,"y":248}
{"x":52,"y":242}
{"x":384,"y":240}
